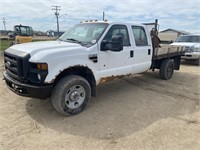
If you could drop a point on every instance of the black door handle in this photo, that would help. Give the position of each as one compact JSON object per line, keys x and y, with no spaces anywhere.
{"x":149,"y":51}
{"x":131,"y":53}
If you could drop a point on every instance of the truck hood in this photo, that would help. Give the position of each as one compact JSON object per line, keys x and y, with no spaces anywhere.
{"x":48,"y":46}
{"x":188,"y":44}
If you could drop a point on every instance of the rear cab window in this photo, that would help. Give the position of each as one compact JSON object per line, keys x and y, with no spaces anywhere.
{"x":139,"y":36}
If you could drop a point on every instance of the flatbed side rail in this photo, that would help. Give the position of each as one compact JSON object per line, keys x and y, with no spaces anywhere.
{"x":168,"y":55}
{"x":167,"y":51}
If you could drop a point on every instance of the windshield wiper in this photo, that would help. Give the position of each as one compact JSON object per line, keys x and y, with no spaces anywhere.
{"x":77,"y":41}
{"x":59,"y":39}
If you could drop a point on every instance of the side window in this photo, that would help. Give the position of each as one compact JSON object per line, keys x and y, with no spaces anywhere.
{"x":118,"y":30}
{"x":140,"y":36}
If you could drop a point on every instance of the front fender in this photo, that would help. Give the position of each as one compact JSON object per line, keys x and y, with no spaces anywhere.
{"x":55,"y":70}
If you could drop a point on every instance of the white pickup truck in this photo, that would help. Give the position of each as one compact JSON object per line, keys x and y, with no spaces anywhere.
{"x":191,"y":43}
{"x":69,"y":69}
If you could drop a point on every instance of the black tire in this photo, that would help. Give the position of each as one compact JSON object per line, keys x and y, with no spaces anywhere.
{"x":67,"y":98}
{"x":197,"y":62}
{"x":166,"y":69}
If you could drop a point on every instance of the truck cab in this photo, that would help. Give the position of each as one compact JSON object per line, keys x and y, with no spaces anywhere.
{"x":69,"y":69}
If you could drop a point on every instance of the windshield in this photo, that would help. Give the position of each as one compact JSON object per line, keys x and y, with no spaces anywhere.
{"x":189,"y":38}
{"x":85,"y":34}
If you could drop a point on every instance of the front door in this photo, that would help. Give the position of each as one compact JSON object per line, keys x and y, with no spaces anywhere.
{"x":116,"y":63}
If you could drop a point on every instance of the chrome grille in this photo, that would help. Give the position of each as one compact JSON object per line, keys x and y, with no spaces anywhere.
{"x":11,"y":65}
{"x":189,"y":49}
{"x":17,"y":67}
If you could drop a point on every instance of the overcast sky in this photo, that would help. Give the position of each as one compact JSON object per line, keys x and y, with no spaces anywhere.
{"x":175,"y":14}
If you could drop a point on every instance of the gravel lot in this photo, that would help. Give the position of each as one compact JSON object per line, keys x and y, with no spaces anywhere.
{"x":141,"y":112}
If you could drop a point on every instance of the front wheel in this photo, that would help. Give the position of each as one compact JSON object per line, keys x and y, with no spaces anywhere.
{"x":71,"y":95}
{"x":166,"y":69}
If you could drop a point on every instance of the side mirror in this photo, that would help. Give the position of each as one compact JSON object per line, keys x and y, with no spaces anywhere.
{"x":104,"y":46}
{"x":116,"y":44}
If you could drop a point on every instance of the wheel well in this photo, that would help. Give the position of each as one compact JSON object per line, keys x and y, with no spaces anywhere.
{"x":82,"y":71}
{"x":177,"y":61}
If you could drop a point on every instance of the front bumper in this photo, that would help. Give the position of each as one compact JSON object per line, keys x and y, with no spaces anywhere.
{"x":27,"y":90}
{"x":191,"y":56}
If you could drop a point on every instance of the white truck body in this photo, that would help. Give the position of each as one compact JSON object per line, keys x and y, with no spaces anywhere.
{"x":60,"y":55}
{"x":39,"y":67}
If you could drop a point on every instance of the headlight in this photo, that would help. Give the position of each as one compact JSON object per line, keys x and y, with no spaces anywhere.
{"x":196,"y":49}
{"x":38,"y":72}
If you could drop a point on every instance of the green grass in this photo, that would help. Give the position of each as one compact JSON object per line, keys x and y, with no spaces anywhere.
{"x":4,"y":44}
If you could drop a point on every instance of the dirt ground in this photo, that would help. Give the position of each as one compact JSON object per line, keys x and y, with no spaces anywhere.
{"x":141,"y":112}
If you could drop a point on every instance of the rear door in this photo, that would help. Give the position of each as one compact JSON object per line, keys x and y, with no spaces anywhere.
{"x":142,"y":49}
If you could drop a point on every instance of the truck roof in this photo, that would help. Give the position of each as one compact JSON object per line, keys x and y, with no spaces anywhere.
{"x":112,"y":22}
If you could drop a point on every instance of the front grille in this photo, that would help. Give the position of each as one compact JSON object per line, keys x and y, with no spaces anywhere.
{"x":188,"y":49}
{"x":16,"y":67}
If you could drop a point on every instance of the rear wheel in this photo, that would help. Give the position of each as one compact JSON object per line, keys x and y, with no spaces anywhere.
{"x":198,"y":62}
{"x":166,"y":69}
{"x":71,"y":95}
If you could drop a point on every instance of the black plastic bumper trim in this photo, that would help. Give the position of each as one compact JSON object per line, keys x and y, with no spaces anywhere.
{"x":27,"y":90}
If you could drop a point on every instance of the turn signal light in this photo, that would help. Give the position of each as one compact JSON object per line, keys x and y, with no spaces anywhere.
{"x":43,"y":66}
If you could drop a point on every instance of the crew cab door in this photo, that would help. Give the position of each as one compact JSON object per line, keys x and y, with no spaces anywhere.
{"x":112,"y":63}
{"x":142,"y":49}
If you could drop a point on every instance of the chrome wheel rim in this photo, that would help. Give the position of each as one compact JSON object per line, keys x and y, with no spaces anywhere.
{"x":75,"y":96}
{"x":169,"y":71}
